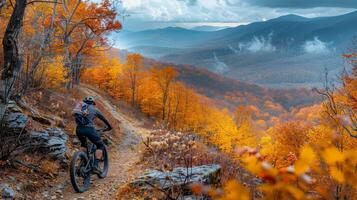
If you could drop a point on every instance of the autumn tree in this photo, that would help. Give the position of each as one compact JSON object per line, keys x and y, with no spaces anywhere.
{"x":132,"y":72}
{"x":149,"y":97}
{"x":105,"y":74}
{"x":83,"y":27}
{"x":290,"y":137}
{"x":164,"y":77}
{"x":36,"y":44}
{"x":179,"y":91}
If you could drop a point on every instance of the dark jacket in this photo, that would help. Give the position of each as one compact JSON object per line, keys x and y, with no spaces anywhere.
{"x":93,"y":113}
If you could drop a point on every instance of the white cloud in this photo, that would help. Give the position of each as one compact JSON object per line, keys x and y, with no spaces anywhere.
{"x":219,"y":66}
{"x":213,"y":11}
{"x":316,"y":46}
{"x":259,"y":44}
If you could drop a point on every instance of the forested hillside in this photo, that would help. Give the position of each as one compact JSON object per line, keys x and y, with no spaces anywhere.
{"x":179,"y":132}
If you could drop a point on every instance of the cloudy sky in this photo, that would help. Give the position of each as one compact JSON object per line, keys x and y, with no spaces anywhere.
{"x":148,"y":14}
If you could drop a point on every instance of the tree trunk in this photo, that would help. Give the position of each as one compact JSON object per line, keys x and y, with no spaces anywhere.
{"x":163,"y":110}
{"x":12,"y":62}
{"x":68,"y":61}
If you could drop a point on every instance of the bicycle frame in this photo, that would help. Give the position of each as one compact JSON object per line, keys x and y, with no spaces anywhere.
{"x":91,"y":148}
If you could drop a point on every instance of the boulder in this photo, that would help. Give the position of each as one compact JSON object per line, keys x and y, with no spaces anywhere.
{"x":179,"y":178}
{"x":51,"y":141}
{"x":15,"y":122}
{"x":6,"y":191}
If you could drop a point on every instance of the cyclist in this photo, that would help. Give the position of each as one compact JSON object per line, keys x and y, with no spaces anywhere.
{"x":84,"y":115}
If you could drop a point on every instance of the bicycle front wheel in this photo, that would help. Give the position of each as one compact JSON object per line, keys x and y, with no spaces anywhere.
{"x":79,"y":172}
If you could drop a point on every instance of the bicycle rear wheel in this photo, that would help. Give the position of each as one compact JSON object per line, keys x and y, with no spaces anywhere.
{"x":79,"y":172}
{"x":104,"y":164}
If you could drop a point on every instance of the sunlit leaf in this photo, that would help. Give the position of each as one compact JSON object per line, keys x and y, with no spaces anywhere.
{"x":307,"y":156}
{"x":332,"y":155}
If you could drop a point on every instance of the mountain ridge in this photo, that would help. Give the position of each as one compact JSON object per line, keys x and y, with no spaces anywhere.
{"x":247,"y":52}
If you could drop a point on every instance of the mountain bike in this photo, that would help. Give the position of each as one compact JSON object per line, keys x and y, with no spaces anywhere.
{"x":81,"y":167}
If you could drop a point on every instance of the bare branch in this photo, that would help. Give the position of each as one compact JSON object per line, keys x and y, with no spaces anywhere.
{"x":40,"y":1}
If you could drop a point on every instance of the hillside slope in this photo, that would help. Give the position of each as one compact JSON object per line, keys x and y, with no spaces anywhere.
{"x":229,"y":92}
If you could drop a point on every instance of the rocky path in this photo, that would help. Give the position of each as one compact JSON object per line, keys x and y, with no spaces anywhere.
{"x":124,"y":160}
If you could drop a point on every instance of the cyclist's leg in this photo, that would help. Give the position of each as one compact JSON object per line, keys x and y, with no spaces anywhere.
{"x":80,"y":132}
{"x":95,"y":138}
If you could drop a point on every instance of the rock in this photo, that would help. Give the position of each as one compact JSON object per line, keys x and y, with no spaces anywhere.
{"x":15,"y":122}
{"x":41,"y":119}
{"x":52,"y":141}
{"x":179,"y":178}
{"x":6,"y":191}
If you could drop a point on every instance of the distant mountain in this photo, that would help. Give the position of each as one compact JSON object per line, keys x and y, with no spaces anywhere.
{"x":208,"y":28}
{"x":290,"y":18}
{"x":166,"y":37}
{"x":286,"y":51}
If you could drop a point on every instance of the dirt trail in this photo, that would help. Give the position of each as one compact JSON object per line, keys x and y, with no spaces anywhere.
{"x":123,"y":161}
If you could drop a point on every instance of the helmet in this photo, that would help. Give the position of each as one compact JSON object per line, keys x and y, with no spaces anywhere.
{"x":89,"y":100}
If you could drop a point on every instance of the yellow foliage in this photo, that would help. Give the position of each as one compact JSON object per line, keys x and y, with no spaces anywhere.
{"x":337,"y":174}
{"x":234,"y":191}
{"x":54,"y":74}
{"x":307,"y":157}
{"x":332,"y":155}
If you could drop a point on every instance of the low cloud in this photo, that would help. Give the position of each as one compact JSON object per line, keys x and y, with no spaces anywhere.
{"x":259,"y":44}
{"x":219,"y":66}
{"x":236,"y":51}
{"x":316,"y":46}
